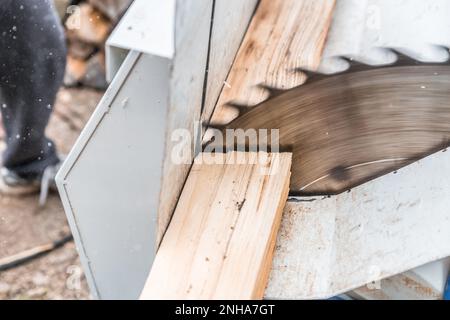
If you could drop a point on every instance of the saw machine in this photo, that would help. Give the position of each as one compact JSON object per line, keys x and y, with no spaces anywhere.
{"x":358,"y":92}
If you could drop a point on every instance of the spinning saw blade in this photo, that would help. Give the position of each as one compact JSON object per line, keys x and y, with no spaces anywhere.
{"x":348,"y":128}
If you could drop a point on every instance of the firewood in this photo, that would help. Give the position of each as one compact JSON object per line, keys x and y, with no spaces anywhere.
{"x":91,"y":26}
{"x":75,"y":71}
{"x":113,"y":9}
{"x":95,"y":72}
{"x":80,"y":50}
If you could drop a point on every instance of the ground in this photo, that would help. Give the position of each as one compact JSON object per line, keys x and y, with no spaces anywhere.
{"x":24,"y":225}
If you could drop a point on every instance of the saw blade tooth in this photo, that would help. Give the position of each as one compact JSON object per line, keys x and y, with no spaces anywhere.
{"x":241,"y":108}
{"x":445,"y":48}
{"x":310,"y":74}
{"x":273,"y":92}
{"x":354,"y":65}
{"x":402,"y":58}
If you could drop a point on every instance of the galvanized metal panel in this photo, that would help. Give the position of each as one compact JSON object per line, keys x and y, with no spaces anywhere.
{"x":109,"y":183}
{"x":147,"y":27}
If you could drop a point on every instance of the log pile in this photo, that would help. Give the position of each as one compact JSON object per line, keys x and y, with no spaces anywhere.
{"x":88,"y":24}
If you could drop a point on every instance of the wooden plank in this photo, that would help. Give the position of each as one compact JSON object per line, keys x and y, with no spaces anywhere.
{"x":220,"y":242}
{"x":283,"y":35}
{"x":231,"y":20}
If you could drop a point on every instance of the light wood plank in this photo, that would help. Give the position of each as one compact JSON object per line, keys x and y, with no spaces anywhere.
{"x":220,"y":242}
{"x":283,"y":35}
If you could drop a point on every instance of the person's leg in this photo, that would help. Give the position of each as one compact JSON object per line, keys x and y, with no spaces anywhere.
{"x":32,"y":64}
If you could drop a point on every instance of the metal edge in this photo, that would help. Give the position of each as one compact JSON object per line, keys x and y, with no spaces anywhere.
{"x":86,"y":134}
{"x":114,"y":38}
{"x":115,"y":57}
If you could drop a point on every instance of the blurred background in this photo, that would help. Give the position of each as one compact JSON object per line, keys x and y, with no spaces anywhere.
{"x":24,"y":225}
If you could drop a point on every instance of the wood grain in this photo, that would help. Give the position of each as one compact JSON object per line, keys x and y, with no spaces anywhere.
{"x":283,"y":35}
{"x":220,"y":242}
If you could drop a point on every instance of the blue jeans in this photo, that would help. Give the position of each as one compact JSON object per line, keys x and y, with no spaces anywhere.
{"x":32,"y":64}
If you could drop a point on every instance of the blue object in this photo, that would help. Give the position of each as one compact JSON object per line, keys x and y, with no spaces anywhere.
{"x":447,"y":290}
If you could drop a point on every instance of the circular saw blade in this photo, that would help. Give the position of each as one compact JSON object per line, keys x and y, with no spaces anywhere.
{"x":348,"y":128}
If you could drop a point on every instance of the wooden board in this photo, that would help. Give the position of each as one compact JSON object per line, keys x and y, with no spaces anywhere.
{"x":283,"y":35}
{"x":220,"y":242}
